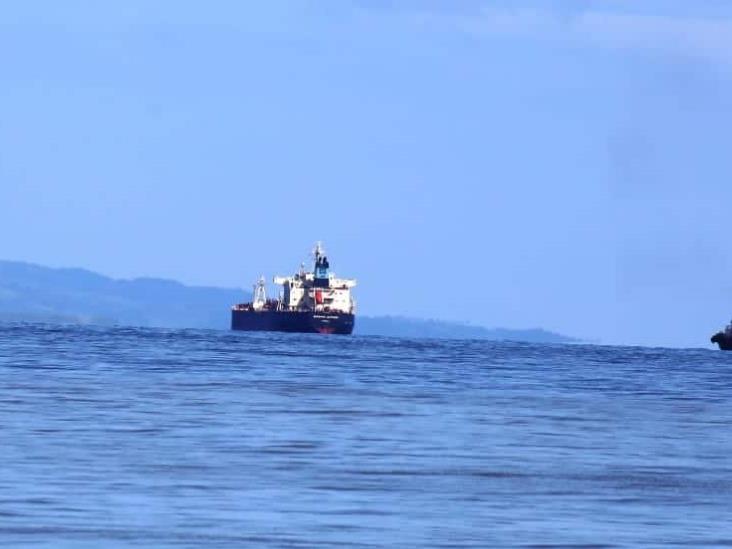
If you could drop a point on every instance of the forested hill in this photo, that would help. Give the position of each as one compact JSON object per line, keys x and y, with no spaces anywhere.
{"x":31,"y":292}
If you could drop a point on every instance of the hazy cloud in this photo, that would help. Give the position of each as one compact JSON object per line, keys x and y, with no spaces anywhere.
{"x":705,"y":37}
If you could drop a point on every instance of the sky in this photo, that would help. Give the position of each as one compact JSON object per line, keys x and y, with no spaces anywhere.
{"x":564,"y":165}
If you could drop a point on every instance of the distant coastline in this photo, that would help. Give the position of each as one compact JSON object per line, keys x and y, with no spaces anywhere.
{"x":32,"y":293}
{"x":400,"y":326}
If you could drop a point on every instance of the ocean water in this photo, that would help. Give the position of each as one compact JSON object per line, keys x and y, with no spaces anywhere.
{"x":160,"y":438}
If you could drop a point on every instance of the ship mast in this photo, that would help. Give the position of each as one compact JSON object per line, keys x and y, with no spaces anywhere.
{"x":318,"y":251}
{"x":320,"y":272}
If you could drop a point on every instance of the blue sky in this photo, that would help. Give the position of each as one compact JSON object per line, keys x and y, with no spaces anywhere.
{"x":519,"y":164}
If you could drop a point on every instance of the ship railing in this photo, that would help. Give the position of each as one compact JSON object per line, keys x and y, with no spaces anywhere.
{"x":269,"y":305}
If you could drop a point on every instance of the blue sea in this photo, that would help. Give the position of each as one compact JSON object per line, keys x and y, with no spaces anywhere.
{"x":120,"y":437}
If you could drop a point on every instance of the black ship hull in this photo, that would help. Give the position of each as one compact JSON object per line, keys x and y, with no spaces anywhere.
{"x":724,"y":341}
{"x":292,"y":321}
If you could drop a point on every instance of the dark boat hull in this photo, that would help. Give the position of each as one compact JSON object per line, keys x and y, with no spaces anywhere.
{"x":291,"y":321}
{"x":723,"y":340}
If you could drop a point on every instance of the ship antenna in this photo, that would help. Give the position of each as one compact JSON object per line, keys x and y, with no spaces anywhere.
{"x":318,"y":251}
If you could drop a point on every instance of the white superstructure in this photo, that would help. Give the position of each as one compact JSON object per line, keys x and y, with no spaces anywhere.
{"x":316,"y":291}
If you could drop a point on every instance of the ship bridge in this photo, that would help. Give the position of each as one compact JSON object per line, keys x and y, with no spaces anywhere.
{"x":319,"y":290}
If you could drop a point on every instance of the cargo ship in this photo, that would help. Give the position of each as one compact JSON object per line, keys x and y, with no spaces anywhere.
{"x":310,"y":302}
